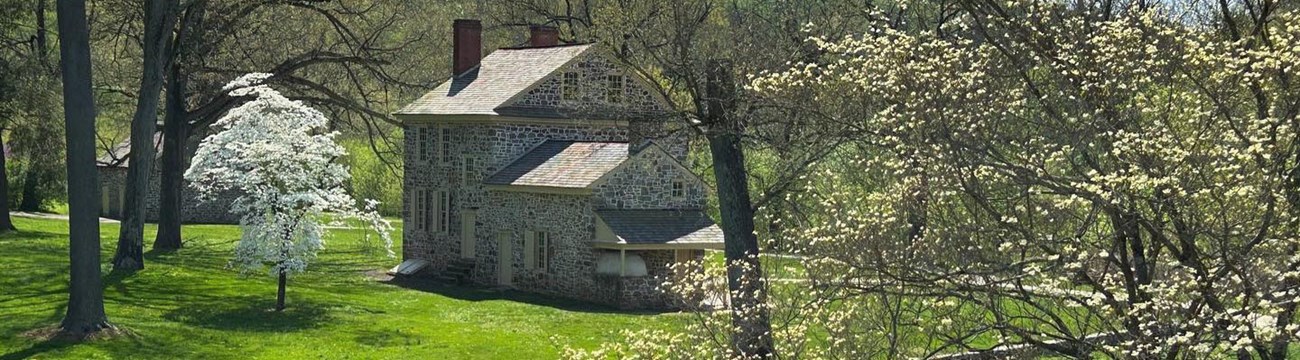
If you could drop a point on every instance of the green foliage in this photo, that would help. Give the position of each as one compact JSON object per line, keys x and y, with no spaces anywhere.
{"x":372,"y":178}
{"x":187,"y":304}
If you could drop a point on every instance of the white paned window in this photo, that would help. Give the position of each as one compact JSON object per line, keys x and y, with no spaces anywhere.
{"x":423,"y":214}
{"x":444,"y":211}
{"x":569,"y":87}
{"x":544,"y":251}
{"x":679,"y":189}
{"x":467,"y":172}
{"x":614,"y":92}
{"x":445,"y":143}
{"x":424,"y":143}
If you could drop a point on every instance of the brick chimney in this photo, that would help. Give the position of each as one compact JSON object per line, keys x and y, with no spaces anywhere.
{"x":542,"y":35}
{"x":467,"y":45}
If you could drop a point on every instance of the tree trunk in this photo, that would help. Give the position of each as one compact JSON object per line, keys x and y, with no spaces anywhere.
{"x":6,"y":223}
{"x":31,"y":201}
{"x":747,"y":288}
{"x":159,"y":21}
{"x":279,"y":295}
{"x":175,"y":132}
{"x":85,"y":314}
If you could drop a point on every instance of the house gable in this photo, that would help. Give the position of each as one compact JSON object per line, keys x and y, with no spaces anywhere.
{"x":650,"y":179}
{"x":592,"y":86}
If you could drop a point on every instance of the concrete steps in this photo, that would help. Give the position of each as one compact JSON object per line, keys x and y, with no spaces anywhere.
{"x":458,"y":271}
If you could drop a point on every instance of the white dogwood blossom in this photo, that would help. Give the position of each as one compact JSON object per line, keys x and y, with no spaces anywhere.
{"x":278,"y":158}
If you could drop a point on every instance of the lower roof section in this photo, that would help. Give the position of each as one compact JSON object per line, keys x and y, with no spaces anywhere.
{"x":657,"y":229}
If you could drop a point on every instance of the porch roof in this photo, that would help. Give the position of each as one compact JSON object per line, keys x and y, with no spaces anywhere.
{"x":659,"y":229}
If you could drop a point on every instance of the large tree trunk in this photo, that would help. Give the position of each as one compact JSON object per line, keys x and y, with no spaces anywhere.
{"x":85,"y":314}
{"x":745,"y":282}
{"x":6,"y":223}
{"x":159,"y":20}
{"x":176,"y":130}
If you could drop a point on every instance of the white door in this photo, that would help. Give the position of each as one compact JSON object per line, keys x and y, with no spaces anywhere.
{"x":467,"y":238}
{"x":505,"y":258}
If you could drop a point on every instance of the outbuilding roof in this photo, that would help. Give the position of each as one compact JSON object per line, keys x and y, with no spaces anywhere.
{"x":499,"y":78}
{"x":662,"y":227}
{"x":562,"y":164}
{"x":120,"y":155}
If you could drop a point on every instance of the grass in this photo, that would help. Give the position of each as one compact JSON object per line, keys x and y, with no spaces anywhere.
{"x":187,"y":304}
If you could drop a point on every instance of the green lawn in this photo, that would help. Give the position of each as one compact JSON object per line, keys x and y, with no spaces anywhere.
{"x":189,"y":305}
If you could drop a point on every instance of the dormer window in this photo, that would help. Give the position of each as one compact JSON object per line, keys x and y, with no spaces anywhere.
{"x":614,"y":93}
{"x":569,"y":87}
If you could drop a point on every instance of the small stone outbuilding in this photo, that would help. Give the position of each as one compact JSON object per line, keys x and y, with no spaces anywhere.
{"x":550,"y":168}
{"x":113,"y":167}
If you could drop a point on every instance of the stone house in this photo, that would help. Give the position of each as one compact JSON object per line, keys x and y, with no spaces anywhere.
{"x":112,"y":167}
{"x":549,"y":168}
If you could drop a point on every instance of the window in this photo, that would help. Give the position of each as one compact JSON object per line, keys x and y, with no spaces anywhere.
{"x":422,"y":203}
{"x":424,"y":143}
{"x":614,"y":93}
{"x":679,"y":189}
{"x":467,"y":172}
{"x":569,"y":87}
{"x":543,"y":250}
{"x":444,"y":211}
{"x":445,"y":150}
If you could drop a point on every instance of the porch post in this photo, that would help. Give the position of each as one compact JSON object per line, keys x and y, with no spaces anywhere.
{"x":622,"y":262}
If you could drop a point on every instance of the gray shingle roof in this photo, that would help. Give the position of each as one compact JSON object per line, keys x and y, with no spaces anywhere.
{"x":119,"y":155}
{"x":498,"y":78}
{"x":662,"y":226}
{"x":564,"y":164}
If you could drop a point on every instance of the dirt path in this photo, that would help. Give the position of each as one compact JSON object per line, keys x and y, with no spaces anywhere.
{"x":52,"y":216}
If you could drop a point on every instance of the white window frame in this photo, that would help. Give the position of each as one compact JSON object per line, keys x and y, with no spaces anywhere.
{"x":466,"y":170}
{"x":443,"y":208}
{"x":421,"y":209}
{"x":444,"y":145}
{"x":678,"y":189}
{"x":539,"y":250}
{"x":424,"y":143}
{"x":615,"y":95}
{"x":570,"y":83}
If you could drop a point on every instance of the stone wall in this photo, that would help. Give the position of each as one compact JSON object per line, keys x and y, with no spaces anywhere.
{"x":591,"y":100}
{"x":194,"y":211}
{"x":646,"y":183}
{"x":567,"y":219}
{"x":489,"y":148}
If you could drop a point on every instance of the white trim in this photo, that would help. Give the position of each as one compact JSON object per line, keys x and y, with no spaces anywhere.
{"x":668,"y":246}
{"x":494,"y":119}
{"x":538,"y":189}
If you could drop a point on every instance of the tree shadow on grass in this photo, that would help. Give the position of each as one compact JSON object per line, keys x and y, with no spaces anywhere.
{"x":251,"y":314}
{"x":469,"y":293}
{"x":37,"y":349}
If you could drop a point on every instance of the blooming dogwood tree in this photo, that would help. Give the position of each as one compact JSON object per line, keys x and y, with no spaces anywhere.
{"x":278,"y":156}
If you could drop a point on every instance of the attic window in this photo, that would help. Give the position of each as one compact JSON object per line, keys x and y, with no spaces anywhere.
{"x":679,"y":189}
{"x":614,"y":95}
{"x":569,"y":88}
